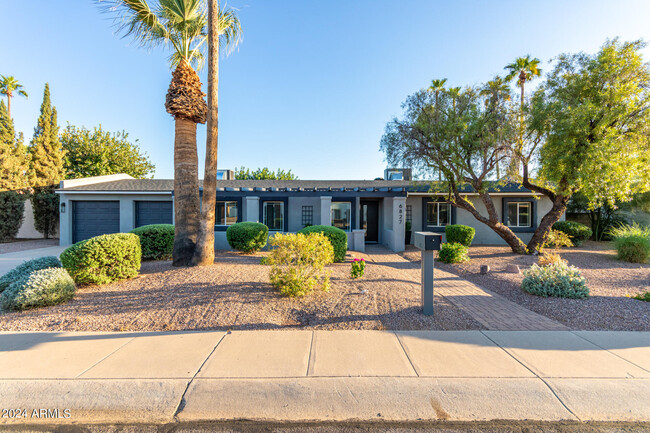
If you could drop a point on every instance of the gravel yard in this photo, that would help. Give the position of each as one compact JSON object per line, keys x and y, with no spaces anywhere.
{"x":16,"y":245}
{"x":235,"y":294}
{"x":609,"y":281}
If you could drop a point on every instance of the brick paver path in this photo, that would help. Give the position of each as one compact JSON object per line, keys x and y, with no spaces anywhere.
{"x":488,"y":308}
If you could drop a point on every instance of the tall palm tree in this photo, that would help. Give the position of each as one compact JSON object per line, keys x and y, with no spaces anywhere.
{"x":437,"y":86}
{"x":9,"y":85}
{"x":224,"y":31}
{"x":181,"y":26}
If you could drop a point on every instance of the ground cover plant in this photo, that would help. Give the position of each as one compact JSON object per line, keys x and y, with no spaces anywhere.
{"x":358,"y":268}
{"x":103,"y":259}
{"x":247,"y":237}
{"x":458,"y":233}
{"x":24,"y":269}
{"x":632,"y":243}
{"x":557,"y":280}
{"x":578,"y":233}
{"x":336,"y":236}
{"x":156,"y":241}
{"x":40,"y":288}
{"x":297,"y":262}
{"x":642,"y":297}
{"x":453,"y":253}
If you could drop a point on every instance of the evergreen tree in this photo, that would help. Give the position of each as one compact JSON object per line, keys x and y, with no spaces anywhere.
{"x":13,"y":156}
{"x":47,"y":155}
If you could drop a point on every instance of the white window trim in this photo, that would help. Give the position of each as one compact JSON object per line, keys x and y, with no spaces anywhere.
{"x":519,"y":205}
{"x":282,"y":212}
{"x":225,"y":209}
{"x":438,"y":203}
{"x":349,"y":215}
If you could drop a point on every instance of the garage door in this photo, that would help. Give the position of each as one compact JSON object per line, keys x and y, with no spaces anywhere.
{"x":153,"y":212}
{"x":94,"y":218}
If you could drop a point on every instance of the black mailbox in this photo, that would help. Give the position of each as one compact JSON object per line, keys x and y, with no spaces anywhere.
{"x":427,"y":241}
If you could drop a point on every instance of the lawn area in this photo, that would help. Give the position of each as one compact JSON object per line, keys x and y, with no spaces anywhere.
{"x":609,"y":280}
{"x":235,"y":294}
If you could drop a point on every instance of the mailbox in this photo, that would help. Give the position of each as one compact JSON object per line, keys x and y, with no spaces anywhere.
{"x":427,"y":241}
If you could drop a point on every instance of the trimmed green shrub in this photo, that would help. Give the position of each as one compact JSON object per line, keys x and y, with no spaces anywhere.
{"x":40,"y":288}
{"x":248,"y":237}
{"x":336,"y":236}
{"x":576,"y":231}
{"x":24,"y":269}
{"x":12,"y":209}
{"x":458,"y":233}
{"x":45,"y":205}
{"x":103,"y":259}
{"x":297,"y":262}
{"x":557,"y":280}
{"x":632,"y":242}
{"x":453,"y":253}
{"x":156,"y":241}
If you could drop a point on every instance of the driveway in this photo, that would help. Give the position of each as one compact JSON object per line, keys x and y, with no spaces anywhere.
{"x":9,"y":261}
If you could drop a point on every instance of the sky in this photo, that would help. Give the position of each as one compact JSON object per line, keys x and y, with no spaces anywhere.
{"x":312,"y":84}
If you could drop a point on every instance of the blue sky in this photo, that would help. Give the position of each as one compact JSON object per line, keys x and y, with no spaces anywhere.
{"x":313,"y":83}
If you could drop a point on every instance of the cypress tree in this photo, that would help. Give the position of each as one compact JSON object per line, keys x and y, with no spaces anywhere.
{"x":13,"y":155}
{"x":47,"y":155}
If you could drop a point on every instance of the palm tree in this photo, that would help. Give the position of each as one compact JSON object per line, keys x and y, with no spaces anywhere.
{"x":181,"y":26}
{"x":9,"y":85}
{"x":495,"y":90}
{"x":224,"y":30}
{"x":437,"y":86}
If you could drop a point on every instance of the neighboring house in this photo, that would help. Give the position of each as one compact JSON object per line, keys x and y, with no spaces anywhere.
{"x":370,"y":211}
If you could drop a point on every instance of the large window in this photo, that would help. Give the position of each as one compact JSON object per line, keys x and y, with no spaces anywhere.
{"x":519,"y":214}
{"x":341,"y":215}
{"x":274,"y":215}
{"x":225,"y":213}
{"x":438,"y":214}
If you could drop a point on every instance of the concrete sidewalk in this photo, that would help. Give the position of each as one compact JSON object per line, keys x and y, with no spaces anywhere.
{"x":8,"y":261}
{"x":325,"y":376}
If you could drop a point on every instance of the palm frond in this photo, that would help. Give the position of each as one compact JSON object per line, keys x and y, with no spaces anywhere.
{"x":229,"y":28}
{"x":137,"y":19}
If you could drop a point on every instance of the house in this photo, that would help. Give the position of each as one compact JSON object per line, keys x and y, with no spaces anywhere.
{"x":370,"y":211}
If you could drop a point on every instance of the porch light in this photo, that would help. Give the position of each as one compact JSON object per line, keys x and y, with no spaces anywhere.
{"x":63,"y":207}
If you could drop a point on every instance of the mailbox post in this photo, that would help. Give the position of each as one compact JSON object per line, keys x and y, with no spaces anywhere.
{"x":427,"y":242}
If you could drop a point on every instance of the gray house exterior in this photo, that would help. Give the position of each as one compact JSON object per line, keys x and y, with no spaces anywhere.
{"x":369,"y":211}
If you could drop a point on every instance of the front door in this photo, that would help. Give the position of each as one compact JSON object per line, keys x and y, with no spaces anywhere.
{"x":370,"y":220}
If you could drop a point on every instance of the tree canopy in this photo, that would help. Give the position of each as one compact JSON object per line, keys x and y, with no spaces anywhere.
{"x":45,"y":149}
{"x":263,"y":173}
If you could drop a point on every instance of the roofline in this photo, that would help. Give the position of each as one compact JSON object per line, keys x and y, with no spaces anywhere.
{"x":88,"y":191}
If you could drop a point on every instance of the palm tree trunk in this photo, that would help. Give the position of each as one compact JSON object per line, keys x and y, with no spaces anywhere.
{"x":9,"y":105}
{"x":186,"y":191}
{"x":204,"y":253}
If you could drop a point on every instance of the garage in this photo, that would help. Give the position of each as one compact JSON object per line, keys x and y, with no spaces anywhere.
{"x":94,"y":218}
{"x":153,"y":212}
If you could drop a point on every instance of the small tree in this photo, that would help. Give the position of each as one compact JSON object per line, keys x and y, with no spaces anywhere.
{"x":13,"y":155}
{"x":45,"y":205}
{"x":46,"y":154}
{"x":12,"y":209}
{"x":263,"y":174}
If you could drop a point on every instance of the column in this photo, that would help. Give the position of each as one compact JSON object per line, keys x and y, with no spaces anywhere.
{"x":326,"y":211}
{"x":252,"y":209}
{"x":399,"y":223}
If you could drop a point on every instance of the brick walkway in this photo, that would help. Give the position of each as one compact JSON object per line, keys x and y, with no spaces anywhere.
{"x":488,"y":308}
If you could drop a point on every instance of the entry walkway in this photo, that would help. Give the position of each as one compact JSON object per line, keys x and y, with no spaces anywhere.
{"x":488,"y":308}
{"x":165,"y":377}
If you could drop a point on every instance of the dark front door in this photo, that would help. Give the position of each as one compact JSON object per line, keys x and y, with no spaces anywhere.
{"x":370,"y":220}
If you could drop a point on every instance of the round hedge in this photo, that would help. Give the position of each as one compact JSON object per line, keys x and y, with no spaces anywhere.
{"x":248,"y":237}
{"x":337,"y":237}
{"x":458,"y":233}
{"x":576,"y":231}
{"x":156,"y":241}
{"x":40,"y":288}
{"x":103,"y":259}
{"x":24,"y":269}
{"x":453,"y":253}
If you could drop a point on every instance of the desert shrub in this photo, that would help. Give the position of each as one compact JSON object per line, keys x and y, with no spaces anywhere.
{"x":558,"y":280}
{"x":40,"y":288}
{"x":45,"y":205}
{"x":336,"y":236}
{"x":156,"y":241}
{"x":557,"y":239}
{"x":297,"y":262}
{"x":358,"y":268}
{"x":248,"y":237}
{"x":632,"y":242}
{"x":26,"y":268}
{"x":458,"y":233}
{"x":576,"y":231}
{"x":453,"y":253}
{"x":12,"y":209}
{"x":550,"y":259}
{"x":103,"y":259}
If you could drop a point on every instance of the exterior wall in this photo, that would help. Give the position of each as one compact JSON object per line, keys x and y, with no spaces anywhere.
{"x":27,"y":229}
{"x":294,"y":212}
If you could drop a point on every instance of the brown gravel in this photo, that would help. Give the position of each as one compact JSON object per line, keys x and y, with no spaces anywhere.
{"x":235,"y":294}
{"x":16,"y":245}
{"x":610,"y":282}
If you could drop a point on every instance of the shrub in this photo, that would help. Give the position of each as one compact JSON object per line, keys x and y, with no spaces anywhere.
{"x":642,"y":297}
{"x":156,"y":241}
{"x":557,"y":239}
{"x":103,"y":259}
{"x":408,"y":226}
{"x":12,"y":209}
{"x":248,"y":237}
{"x":40,"y":288}
{"x":26,"y":268}
{"x":550,"y":259}
{"x":297,"y":262}
{"x":576,"y":231}
{"x":358,"y":268}
{"x":453,"y":253}
{"x":336,"y":236}
{"x":458,"y":233}
{"x":632,"y":242}
{"x":558,"y":280}
{"x":45,"y":205}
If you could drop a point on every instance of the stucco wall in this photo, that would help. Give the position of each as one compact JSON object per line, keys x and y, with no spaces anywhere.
{"x":295,"y":211}
{"x":27,"y":229}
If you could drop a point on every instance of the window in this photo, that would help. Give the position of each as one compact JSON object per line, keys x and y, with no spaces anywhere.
{"x":341,"y":213}
{"x":438,"y":214}
{"x":395,"y":175}
{"x":519,"y":214}
{"x":409,"y":213}
{"x":225,"y":213}
{"x":274,"y":215}
{"x":307,"y":215}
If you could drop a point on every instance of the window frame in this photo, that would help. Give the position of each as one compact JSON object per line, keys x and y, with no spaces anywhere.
{"x":350,"y":219}
{"x":530,"y":202}
{"x":437,"y":203}
{"x":307,"y":212}
{"x":238,"y":200}
{"x":283,"y":213}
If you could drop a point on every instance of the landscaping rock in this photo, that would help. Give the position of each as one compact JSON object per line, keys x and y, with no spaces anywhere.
{"x":485,"y":269}
{"x":513,"y":269}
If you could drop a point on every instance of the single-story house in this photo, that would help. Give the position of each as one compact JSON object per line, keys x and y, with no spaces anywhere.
{"x":370,"y":211}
